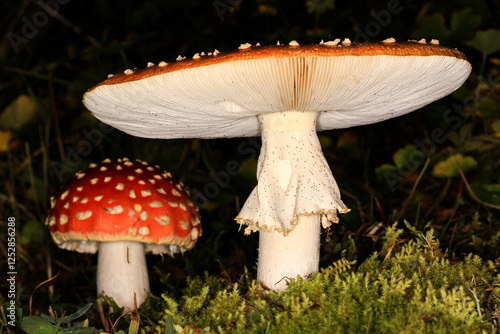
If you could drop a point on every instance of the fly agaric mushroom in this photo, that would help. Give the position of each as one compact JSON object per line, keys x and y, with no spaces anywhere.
{"x":285,"y":93}
{"x":123,"y":209}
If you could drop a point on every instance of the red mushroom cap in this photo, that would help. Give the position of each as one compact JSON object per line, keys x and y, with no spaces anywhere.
{"x":124,"y":201}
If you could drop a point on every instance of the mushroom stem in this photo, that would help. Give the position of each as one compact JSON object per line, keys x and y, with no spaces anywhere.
{"x":293,"y":176}
{"x":284,"y":257}
{"x":294,"y":180}
{"x":122,"y":271}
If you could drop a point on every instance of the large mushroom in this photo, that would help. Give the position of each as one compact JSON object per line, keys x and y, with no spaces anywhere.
{"x":123,"y":209}
{"x":285,"y":93}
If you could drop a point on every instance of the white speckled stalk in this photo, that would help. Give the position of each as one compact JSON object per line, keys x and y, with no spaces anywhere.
{"x":295,"y":187}
{"x":122,"y":271}
{"x":293,"y":176}
{"x":284,"y":257}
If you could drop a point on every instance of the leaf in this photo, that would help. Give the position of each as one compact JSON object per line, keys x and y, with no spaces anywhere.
{"x":382,"y":169}
{"x":68,"y":319}
{"x":486,"y":41}
{"x":36,"y":325}
{"x":496,"y":126}
{"x":32,"y":231}
{"x":492,"y":187}
{"x":20,"y":112}
{"x":319,"y":6}
{"x":169,"y":325}
{"x":5,"y":137}
{"x":488,"y":108}
{"x":178,"y":329}
{"x":134,"y":325}
{"x":403,"y":156}
{"x":463,"y":24}
{"x":78,"y":330}
{"x":448,"y":168}
{"x":112,"y":303}
{"x":486,"y":192}
{"x":266,"y":9}
{"x":49,"y":318}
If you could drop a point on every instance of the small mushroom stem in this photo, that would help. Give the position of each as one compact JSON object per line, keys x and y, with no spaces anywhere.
{"x":122,"y":272}
{"x":282,"y":257}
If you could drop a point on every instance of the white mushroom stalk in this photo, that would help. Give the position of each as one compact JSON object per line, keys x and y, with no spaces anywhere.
{"x":282,"y":257}
{"x":295,"y":188}
{"x":122,"y":272}
{"x":293,"y":175}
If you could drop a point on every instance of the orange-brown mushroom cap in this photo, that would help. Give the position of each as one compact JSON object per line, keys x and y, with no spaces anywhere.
{"x":124,"y":201}
{"x":220,"y":94}
{"x":284,"y":51}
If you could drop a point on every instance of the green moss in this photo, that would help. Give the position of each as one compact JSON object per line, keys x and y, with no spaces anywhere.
{"x":410,"y":287}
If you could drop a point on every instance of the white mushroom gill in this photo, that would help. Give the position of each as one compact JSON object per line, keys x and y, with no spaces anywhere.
{"x":296,"y":191}
{"x":122,"y":272}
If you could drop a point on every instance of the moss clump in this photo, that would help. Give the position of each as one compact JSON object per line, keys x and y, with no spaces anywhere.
{"x":410,"y":287}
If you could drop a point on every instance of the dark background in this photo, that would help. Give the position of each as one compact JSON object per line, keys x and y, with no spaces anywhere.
{"x":53,"y":57}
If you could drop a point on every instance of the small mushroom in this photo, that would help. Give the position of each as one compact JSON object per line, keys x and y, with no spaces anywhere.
{"x":285,"y":93}
{"x":123,"y":209}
